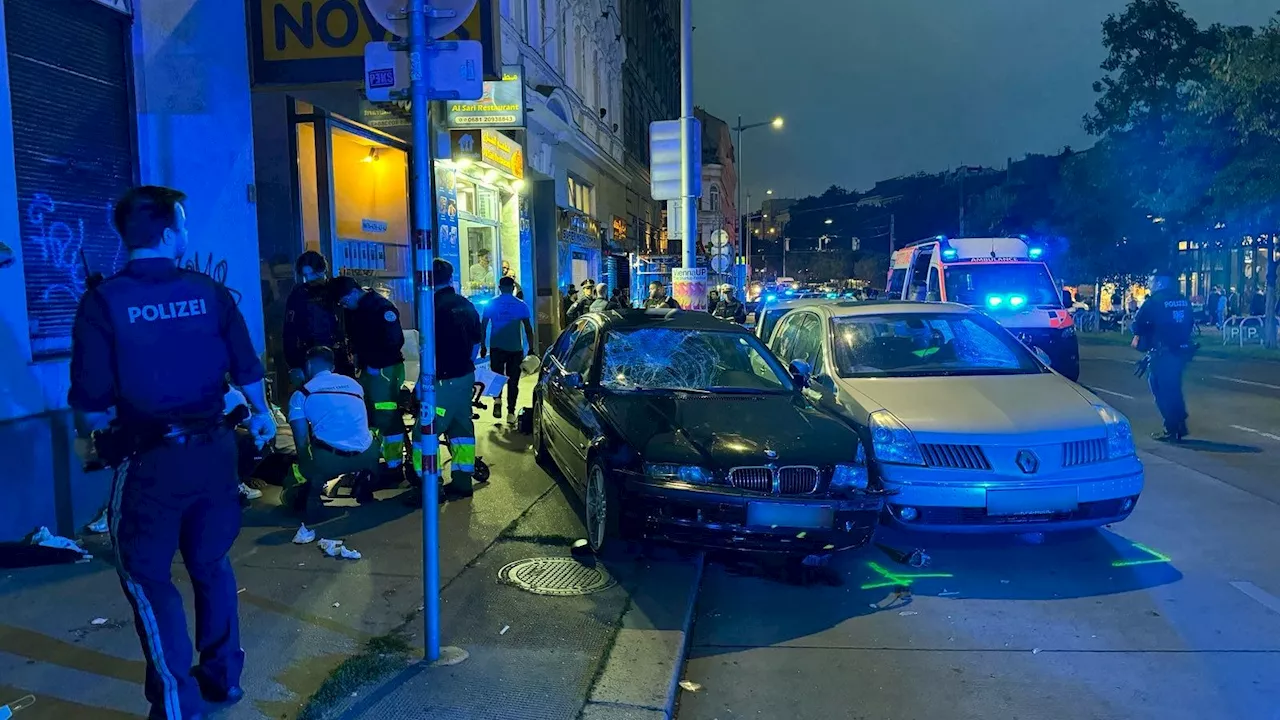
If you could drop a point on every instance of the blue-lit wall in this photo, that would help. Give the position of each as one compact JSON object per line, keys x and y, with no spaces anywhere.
{"x":194,"y":133}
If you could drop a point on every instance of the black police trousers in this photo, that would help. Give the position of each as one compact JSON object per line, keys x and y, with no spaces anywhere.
{"x":181,"y":498}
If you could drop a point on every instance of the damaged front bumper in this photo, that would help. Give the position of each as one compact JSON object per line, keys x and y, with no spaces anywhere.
{"x":718,"y":517}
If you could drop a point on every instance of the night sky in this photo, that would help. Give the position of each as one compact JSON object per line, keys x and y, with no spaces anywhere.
{"x":873,"y":89}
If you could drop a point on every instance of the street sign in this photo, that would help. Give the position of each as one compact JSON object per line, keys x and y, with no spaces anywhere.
{"x":456,"y":69}
{"x":448,"y":16}
{"x":665,"y":158}
{"x":386,"y":71}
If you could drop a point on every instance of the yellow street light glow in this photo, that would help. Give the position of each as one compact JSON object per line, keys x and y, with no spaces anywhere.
{"x":777,"y":123}
{"x":768,"y":192}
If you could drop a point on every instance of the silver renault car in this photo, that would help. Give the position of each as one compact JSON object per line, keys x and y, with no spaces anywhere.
{"x":966,"y":427}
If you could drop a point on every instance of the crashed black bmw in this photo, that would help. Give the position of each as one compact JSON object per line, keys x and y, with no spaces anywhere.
{"x":680,"y":427}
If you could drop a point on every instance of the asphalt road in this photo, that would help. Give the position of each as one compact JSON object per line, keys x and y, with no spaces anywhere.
{"x":1173,"y":614}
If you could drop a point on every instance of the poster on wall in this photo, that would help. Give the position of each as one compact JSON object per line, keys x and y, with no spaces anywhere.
{"x":447,"y":221}
{"x":689,"y":288}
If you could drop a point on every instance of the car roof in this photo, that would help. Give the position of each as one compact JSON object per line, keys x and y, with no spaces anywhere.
{"x":895,"y":307}
{"x":793,"y":303}
{"x":666,"y":318}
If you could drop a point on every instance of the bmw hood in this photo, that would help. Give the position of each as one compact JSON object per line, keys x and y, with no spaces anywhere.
{"x":724,"y":431}
{"x":985,"y":407}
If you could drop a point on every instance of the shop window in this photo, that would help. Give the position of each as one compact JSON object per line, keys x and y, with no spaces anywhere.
{"x":580,"y":195}
{"x":483,"y":226}
{"x":308,"y":186}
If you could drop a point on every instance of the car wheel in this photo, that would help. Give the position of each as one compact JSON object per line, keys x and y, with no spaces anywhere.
{"x":540,"y":453}
{"x":602,"y":509}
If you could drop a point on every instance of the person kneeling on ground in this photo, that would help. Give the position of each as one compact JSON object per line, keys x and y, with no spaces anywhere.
{"x":331,"y":430}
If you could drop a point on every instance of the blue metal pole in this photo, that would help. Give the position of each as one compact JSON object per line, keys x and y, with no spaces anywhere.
{"x":424,"y":286}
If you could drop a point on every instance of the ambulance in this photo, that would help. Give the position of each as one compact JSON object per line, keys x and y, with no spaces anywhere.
{"x":1003,"y":277}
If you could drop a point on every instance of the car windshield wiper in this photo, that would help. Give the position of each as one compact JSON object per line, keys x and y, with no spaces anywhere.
{"x":730,"y":390}
{"x":645,"y":388}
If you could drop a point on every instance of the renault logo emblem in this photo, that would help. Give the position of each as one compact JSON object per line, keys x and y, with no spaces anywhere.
{"x":1028,"y":462}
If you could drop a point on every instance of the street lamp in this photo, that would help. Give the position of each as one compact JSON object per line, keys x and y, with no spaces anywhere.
{"x":828,"y":221}
{"x":776,"y":124}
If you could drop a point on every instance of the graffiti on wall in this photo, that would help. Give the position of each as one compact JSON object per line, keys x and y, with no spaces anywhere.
{"x":57,"y":236}
{"x":215,"y":268}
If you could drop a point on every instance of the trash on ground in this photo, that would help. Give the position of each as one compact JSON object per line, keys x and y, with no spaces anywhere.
{"x":504,"y":630}
{"x":240,"y":591}
{"x":690,"y":685}
{"x":22,"y":703}
{"x":44,"y":538}
{"x":337,"y":604}
{"x":908,"y":613}
{"x":919,"y":558}
{"x":1035,"y":651}
{"x":98,"y":621}
{"x":304,"y":535}
{"x":350,"y":554}
{"x":580,"y":547}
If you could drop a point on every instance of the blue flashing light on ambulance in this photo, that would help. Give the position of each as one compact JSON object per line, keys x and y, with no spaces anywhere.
{"x":1004,"y":277}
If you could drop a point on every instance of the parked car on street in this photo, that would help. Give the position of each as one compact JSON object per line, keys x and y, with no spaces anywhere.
{"x":968,"y":430}
{"x":677,"y":426}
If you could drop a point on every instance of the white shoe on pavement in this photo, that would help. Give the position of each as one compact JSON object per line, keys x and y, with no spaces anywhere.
{"x":511,"y":419}
{"x":250,"y":493}
{"x":304,"y":535}
{"x":99,"y":526}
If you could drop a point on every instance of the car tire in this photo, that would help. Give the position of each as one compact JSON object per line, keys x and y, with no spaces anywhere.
{"x":540,"y":454}
{"x":602,"y":510}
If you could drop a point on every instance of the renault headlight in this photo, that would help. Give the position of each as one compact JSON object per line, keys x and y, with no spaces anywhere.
{"x":852,"y":476}
{"x":1119,"y":433}
{"x":691,"y":474}
{"x":892,"y":442}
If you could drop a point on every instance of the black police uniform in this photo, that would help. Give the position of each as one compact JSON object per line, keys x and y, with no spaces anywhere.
{"x":158,"y":343}
{"x":377,"y":340}
{"x":310,"y":320}
{"x":1164,"y":325}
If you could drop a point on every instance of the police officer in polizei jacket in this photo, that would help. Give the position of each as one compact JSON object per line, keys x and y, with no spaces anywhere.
{"x":1163,"y":328}
{"x":157,"y":343}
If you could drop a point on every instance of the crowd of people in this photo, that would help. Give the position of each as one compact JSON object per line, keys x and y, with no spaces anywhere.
{"x":596,"y":297}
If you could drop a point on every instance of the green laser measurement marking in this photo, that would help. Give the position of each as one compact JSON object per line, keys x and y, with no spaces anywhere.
{"x":1155,"y":557}
{"x":893,"y":579}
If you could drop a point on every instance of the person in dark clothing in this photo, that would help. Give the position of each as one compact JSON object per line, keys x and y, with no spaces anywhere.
{"x":713,"y":301}
{"x":1211,"y":306}
{"x":618,"y":300}
{"x":658,"y":297}
{"x":582,"y":305}
{"x":730,"y":308}
{"x":157,"y":343}
{"x":1163,"y":328}
{"x":376,"y":339}
{"x":458,"y":332}
{"x":311,"y":319}
{"x":1233,"y":304}
{"x":1258,"y":303}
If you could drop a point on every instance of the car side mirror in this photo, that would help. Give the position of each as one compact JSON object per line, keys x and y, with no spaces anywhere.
{"x":801,"y":372}
{"x":825,"y":382}
{"x":573,"y":381}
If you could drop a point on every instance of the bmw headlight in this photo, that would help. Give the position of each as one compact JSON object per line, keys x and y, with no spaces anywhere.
{"x":691,"y":474}
{"x":1119,"y":433}
{"x":892,"y":442}
{"x":852,"y":476}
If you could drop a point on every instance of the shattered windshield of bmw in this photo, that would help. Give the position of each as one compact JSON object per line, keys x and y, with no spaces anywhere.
{"x":658,"y":359}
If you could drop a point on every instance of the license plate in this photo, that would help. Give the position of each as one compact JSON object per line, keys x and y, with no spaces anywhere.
{"x":790,"y":516}
{"x":1039,"y":501}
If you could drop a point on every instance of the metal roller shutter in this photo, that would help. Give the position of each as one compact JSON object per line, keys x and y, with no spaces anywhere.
{"x":74,"y":150}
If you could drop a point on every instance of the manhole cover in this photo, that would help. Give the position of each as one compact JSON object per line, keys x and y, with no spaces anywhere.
{"x":556,"y":576}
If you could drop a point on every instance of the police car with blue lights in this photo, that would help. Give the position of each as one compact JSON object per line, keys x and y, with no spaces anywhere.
{"x":1006,"y":278}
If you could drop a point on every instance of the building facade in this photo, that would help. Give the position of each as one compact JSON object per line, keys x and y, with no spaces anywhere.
{"x":131,"y":91}
{"x":651,"y":92}
{"x":718,"y":233}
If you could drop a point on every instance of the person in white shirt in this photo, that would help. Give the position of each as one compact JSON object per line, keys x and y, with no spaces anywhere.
{"x":331,"y":430}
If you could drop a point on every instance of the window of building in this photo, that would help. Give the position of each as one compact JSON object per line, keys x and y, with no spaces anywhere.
{"x":533,"y":22}
{"x":714,"y":198}
{"x":580,"y":195}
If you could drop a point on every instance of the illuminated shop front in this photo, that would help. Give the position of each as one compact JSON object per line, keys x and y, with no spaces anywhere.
{"x":579,"y":248}
{"x":482,"y":216}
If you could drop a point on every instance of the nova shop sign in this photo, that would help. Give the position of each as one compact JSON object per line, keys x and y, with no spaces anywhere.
{"x":320,"y":41}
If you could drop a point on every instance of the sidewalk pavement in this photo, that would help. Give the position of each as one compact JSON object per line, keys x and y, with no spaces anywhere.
{"x":66,"y":633}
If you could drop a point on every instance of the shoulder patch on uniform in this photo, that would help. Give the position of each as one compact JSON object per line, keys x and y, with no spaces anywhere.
{"x":389,"y":316}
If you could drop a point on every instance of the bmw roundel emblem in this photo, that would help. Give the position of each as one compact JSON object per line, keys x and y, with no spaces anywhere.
{"x":770,"y":454}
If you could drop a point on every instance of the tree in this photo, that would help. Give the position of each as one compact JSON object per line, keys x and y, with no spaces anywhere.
{"x":873,"y":268}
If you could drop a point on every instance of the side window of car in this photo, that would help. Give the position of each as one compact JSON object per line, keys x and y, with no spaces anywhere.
{"x":783,"y":338}
{"x":806,"y":339}
{"x":579,"y":358}
{"x":566,"y":339}
{"x":935,"y":292}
